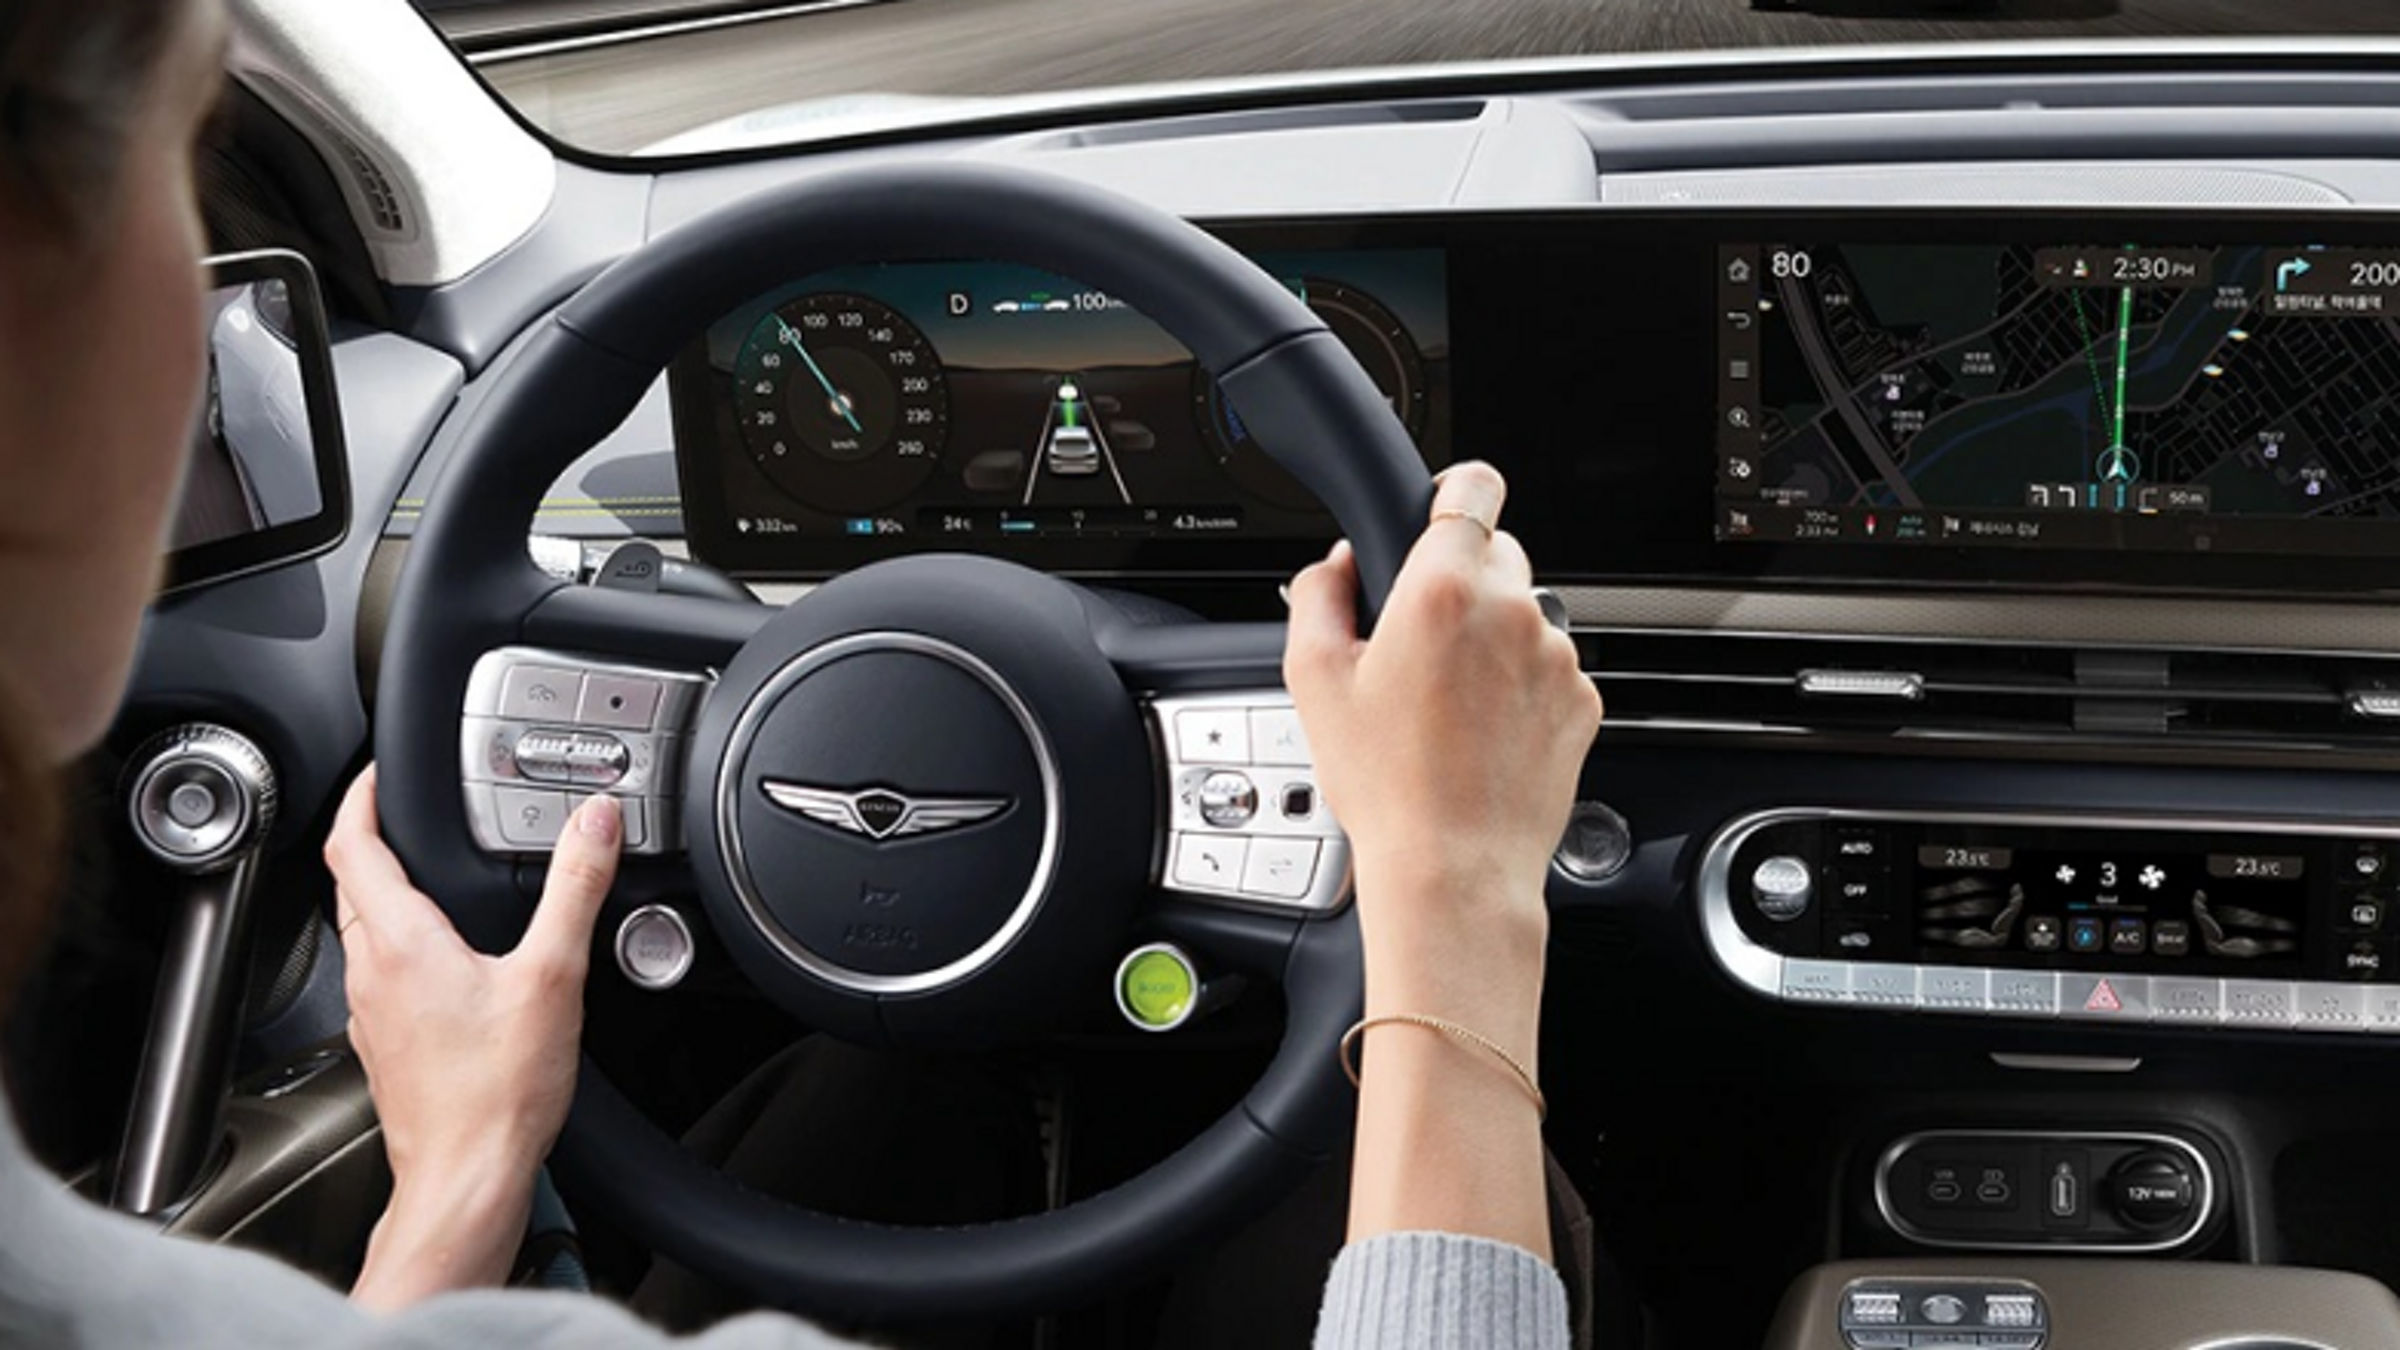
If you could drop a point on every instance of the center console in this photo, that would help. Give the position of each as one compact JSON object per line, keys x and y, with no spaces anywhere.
{"x":2164,"y":920}
{"x":2008,"y":1304}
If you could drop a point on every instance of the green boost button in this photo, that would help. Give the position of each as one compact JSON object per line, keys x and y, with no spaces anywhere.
{"x":1157,"y":988}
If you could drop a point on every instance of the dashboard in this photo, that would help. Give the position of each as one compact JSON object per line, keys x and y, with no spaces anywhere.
{"x":2153,"y":401}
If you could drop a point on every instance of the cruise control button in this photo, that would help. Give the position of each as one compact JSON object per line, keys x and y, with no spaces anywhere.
{"x":530,"y":817}
{"x":633,"y":811}
{"x":628,"y":702}
{"x":1210,"y":862}
{"x":540,"y":693}
{"x":1276,"y":738}
{"x":1213,"y":735}
{"x":1280,"y":869}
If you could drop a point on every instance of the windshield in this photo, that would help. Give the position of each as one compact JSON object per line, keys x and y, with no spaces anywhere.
{"x":680,"y":76}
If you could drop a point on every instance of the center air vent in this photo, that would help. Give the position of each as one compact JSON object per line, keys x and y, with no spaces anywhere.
{"x":1922,"y":691}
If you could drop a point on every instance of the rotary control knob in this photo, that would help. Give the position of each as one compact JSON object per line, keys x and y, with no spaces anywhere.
{"x":199,"y":796}
{"x":1781,"y":888}
{"x":2153,"y":1189}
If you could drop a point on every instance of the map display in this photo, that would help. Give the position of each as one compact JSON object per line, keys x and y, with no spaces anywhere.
{"x":2240,"y":397}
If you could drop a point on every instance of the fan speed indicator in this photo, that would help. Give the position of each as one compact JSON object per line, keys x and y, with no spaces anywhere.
{"x":841,"y":402}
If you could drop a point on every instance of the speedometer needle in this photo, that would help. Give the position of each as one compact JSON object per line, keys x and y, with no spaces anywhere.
{"x":833,"y":396}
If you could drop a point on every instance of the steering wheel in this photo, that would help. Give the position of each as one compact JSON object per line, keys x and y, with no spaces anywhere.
{"x":935,"y":799}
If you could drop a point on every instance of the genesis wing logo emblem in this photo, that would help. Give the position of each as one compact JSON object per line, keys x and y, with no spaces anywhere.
{"x":880,"y":813}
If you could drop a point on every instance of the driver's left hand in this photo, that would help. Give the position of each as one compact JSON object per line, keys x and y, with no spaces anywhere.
{"x":471,"y":1058}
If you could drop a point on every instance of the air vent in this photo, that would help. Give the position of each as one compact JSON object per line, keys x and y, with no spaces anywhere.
{"x":1906,"y":690}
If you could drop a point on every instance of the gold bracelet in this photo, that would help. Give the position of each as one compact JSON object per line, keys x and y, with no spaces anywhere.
{"x":1467,"y":1035}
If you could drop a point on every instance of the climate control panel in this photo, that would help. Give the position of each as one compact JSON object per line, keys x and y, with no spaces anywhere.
{"x":2165,"y":920}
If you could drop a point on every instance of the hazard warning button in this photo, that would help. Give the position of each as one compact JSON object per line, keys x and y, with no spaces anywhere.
{"x":2113,"y":998}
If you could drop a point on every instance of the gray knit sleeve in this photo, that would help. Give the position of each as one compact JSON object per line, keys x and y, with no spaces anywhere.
{"x":1441,"y":1291}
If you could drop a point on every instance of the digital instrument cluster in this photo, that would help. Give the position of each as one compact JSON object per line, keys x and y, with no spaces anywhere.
{"x":872,"y":411}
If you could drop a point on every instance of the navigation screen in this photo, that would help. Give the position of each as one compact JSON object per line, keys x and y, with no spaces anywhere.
{"x":2196,"y":399}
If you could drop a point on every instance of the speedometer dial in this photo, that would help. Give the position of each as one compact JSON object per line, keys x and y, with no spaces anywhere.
{"x":1380,"y":342}
{"x":841,"y":402}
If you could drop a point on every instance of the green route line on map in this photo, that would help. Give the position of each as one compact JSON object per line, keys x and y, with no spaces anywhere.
{"x":2091,"y":358}
{"x":2124,"y":349}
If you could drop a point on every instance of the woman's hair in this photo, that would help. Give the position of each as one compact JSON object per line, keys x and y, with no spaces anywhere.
{"x":74,"y":76}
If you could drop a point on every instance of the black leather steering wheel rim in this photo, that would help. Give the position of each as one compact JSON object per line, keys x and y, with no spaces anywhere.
{"x":468,"y":586}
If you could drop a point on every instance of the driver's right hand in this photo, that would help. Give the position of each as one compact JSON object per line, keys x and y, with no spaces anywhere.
{"x":471,"y":1059}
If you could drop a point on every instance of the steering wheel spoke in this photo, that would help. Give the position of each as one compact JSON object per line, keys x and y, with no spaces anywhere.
{"x":1245,"y":822}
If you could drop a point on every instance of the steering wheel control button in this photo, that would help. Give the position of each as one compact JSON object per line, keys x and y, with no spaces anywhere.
{"x":1781,"y":888}
{"x":1213,"y":735}
{"x":538,"y":718}
{"x":1280,"y":869}
{"x":1277,"y":739}
{"x":530,"y":817}
{"x":1299,"y":801}
{"x":654,"y":948}
{"x":1294,"y":854}
{"x":1597,"y":843}
{"x":1158,"y":987}
{"x":1210,"y":862}
{"x":540,"y":693}
{"x":1228,"y":800}
{"x":626,"y":702}
{"x":632,"y":811}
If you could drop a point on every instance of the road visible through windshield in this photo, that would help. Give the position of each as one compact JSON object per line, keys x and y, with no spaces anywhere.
{"x":621,"y":96}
